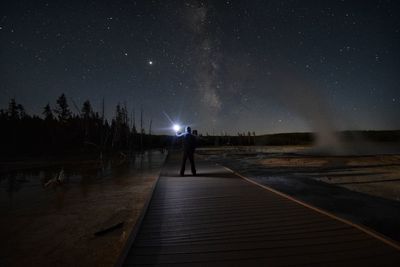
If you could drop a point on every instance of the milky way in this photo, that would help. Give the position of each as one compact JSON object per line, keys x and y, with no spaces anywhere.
{"x":234,"y":66}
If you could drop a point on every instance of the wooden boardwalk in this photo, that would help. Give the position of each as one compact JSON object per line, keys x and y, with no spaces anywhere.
{"x":221,"y":219}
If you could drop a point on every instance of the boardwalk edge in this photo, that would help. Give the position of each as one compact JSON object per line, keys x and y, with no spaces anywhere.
{"x":364,"y":229}
{"x":132,"y":236}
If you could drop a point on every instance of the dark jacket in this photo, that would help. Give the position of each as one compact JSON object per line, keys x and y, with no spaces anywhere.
{"x":189,"y":141}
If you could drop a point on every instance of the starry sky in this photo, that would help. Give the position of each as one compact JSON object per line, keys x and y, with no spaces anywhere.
{"x":219,"y":66}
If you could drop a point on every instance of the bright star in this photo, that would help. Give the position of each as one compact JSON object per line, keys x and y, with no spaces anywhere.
{"x":150,"y":62}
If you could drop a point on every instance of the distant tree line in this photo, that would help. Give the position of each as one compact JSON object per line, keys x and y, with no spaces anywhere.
{"x":251,"y":139}
{"x":285,"y":139}
{"x":59,"y":130}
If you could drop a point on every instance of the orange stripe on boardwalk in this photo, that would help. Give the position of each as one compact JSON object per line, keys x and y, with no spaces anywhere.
{"x":365,"y":229}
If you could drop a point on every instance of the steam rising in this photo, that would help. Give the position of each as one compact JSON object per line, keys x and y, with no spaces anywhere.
{"x":304,"y":99}
{"x":283,"y":85}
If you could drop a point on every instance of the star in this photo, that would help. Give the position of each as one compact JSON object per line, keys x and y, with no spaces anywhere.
{"x":231,"y":56}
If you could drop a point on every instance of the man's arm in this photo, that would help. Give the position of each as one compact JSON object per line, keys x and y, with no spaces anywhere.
{"x":180,"y":134}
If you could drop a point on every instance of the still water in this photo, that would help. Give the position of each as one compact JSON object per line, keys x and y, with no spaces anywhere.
{"x":50,"y":211}
{"x":33,"y":183}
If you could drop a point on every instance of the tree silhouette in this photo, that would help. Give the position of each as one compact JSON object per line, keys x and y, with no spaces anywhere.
{"x":21,"y":111}
{"x":60,"y":131}
{"x":62,"y":111}
{"x":47,"y":113}
{"x":13,"y":110}
{"x":87,"y":111}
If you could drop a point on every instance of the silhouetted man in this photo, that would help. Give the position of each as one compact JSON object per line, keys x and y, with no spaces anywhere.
{"x":189,"y":146}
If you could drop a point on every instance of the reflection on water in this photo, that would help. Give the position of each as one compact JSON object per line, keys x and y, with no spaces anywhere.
{"x":51,"y":210}
{"x":37,"y":182}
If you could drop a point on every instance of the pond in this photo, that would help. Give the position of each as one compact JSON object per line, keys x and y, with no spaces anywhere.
{"x":51,"y":211}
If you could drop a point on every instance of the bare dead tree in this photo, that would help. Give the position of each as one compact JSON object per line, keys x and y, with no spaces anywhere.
{"x":141,"y":128}
{"x":151,"y":121}
{"x":102,"y":110}
{"x":133,"y":121}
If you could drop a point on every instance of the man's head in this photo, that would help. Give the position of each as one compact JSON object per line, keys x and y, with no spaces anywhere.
{"x":188,"y":129}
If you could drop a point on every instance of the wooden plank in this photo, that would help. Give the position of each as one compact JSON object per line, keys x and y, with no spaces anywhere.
{"x":220,"y":219}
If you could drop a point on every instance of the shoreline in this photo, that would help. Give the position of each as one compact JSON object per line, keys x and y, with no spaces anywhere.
{"x":84,"y":222}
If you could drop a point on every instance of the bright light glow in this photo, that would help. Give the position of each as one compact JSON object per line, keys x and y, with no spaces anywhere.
{"x":176,"y":127}
{"x":150,"y":62}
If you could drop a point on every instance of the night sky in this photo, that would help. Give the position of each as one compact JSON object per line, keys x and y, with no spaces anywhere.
{"x":234,"y":66}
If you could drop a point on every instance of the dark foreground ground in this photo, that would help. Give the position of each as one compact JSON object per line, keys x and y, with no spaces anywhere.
{"x":362,"y":189}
